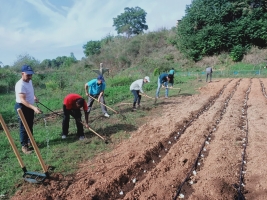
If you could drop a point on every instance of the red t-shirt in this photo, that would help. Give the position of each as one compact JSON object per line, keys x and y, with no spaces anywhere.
{"x":70,"y":100}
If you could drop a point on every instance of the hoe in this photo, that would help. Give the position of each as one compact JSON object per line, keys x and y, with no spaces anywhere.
{"x":31,"y":177}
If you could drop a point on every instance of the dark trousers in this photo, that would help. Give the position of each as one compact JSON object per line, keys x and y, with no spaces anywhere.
{"x":207,"y":77}
{"x":29,"y":116}
{"x":91,"y":101}
{"x":77,"y":115}
{"x":137,"y":97}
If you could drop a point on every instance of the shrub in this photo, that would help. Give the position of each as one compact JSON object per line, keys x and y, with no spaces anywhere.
{"x":237,"y":53}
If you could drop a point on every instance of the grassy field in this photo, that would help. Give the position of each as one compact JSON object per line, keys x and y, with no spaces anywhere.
{"x":65,"y":155}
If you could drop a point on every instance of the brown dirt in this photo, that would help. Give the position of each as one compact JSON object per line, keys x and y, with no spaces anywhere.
{"x":206,"y":133}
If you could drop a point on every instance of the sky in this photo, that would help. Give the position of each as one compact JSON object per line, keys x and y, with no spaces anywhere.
{"x":46,"y":29}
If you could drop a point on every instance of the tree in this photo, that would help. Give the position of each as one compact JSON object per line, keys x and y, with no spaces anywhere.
{"x":213,"y":26}
{"x":131,"y":22}
{"x":92,"y":48}
{"x":25,"y":59}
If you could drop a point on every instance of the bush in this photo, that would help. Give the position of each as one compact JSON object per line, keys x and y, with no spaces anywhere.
{"x":237,"y":53}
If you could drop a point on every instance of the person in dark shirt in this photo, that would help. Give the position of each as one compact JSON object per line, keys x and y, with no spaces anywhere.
{"x":163,"y":81}
{"x":208,"y":73}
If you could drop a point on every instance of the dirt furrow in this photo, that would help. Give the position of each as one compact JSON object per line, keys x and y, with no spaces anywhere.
{"x":174,"y":167}
{"x":220,"y":169}
{"x":110,"y":172}
{"x":255,"y":178}
{"x":137,"y":172}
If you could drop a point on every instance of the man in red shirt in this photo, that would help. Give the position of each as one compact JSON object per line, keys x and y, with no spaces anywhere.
{"x":71,"y":106}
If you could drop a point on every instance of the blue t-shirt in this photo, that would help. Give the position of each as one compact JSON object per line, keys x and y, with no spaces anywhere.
{"x":95,"y":88}
{"x":163,"y":78}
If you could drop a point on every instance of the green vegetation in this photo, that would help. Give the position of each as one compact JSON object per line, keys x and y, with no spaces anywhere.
{"x":129,"y":59}
{"x":211,"y":27}
{"x":131,"y":22}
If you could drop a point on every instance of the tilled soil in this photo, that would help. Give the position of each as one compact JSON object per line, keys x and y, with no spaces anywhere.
{"x":206,"y":146}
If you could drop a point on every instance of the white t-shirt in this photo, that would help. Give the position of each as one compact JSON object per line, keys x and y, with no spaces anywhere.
{"x":26,"y":88}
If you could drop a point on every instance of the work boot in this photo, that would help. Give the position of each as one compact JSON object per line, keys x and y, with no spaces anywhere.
{"x":26,"y":150}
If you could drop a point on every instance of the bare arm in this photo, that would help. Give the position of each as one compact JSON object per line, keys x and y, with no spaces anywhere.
{"x":86,"y":89}
{"x":22,"y":97}
{"x":86,"y":118}
{"x":100,"y":95}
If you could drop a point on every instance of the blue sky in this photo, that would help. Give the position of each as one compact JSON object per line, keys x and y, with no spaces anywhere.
{"x":50,"y":28}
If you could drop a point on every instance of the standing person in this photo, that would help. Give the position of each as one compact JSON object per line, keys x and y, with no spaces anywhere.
{"x":208,"y":73}
{"x":25,"y":99}
{"x":95,"y":88}
{"x":163,"y":80}
{"x":137,"y":87}
{"x":172,"y":72}
{"x":71,"y":106}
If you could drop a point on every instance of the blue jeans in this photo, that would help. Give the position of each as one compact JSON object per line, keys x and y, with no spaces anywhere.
{"x":29,"y":116}
{"x":159,"y":86}
{"x":137,"y":97}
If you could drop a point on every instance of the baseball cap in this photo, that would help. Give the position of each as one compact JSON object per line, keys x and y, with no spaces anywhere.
{"x":101,"y":78}
{"x":147,"y":78}
{"x":27,"y":69}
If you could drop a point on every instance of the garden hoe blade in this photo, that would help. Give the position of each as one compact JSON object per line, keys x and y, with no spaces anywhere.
{"x":31,"y":177}
{"x":38,"y":176}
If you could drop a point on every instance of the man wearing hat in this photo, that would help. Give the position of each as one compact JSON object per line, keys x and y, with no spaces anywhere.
{"x":25,"y":99}
{"x":94,"y":89}
{"x":137,"y":87}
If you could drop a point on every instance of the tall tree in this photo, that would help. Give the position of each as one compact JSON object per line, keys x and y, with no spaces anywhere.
{"x":131,"y":22}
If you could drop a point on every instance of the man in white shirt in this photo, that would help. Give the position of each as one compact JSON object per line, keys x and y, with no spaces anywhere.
{"x":137,"y":87}
{"x":25,"y":99}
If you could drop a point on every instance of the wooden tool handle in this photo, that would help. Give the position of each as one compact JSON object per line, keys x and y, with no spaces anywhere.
{"x":11,"y":141}
{"x":103,"y":104}
{"x":36,"y":149}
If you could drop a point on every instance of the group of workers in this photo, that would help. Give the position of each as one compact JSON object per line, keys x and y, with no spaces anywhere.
{"x":72,"y":103}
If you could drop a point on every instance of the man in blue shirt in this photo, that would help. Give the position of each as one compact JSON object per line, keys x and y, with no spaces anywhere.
{"x":95,"y":88}
{"x":163,"y":80}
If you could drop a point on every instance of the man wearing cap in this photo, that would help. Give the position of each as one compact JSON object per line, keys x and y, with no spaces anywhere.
{"x":71,"y":106}
{"x":94,"y":89}
{"x":25,"y":99}
{"x":137,"y":87}
{"x":163,"y":81}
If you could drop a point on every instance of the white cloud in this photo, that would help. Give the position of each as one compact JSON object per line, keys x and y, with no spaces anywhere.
{"x":39,"y":27}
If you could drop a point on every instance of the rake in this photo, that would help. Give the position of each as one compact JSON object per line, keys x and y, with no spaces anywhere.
{"x":31,"y":177}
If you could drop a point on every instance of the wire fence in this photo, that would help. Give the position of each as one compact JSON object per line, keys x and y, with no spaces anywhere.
{"x":226,"y":73}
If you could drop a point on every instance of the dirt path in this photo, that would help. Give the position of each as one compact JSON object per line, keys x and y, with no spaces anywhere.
{"x":203,"y":134}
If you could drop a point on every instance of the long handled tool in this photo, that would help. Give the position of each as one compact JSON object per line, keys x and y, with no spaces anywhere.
{"x":155,"y":99}
{"x":103,"y":104}
{"x":105,"y":140}
{"x":107,"y":106}
{"x":36,"y":149}
{"x":75,"y":119}
{"x":32,"y":177}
